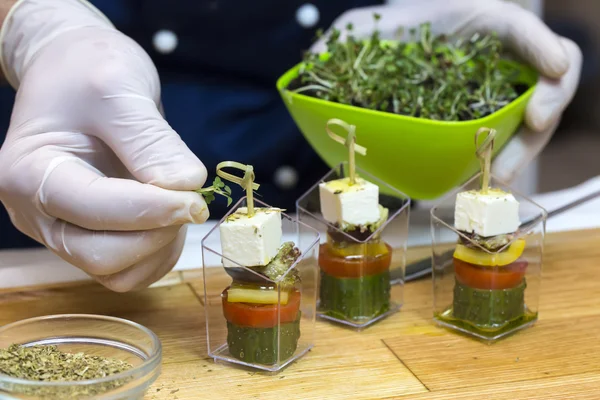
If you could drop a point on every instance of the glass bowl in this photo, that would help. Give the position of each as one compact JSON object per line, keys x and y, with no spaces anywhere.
{"x":94,"y":335}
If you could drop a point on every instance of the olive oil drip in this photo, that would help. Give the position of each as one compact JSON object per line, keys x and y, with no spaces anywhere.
{"x":246,"y":182}
{"x":349,"y":142}
{"x":484,"y":153}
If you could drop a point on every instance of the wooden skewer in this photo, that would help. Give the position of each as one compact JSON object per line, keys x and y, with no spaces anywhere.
{"x":484,"y":153}
{"x":246,"y":182}
{"x":349,"y":142}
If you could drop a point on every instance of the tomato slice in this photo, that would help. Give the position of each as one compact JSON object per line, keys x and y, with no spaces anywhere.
{"x":261,"y":315}
{"x":487,"y":278}
{"x":353,"y":266}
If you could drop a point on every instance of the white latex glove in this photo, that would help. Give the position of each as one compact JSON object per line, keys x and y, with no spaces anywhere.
{"x":556,"y":58}
{"x":89,"y":167}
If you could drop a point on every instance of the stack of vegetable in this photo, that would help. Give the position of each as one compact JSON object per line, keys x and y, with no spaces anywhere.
{"x":262,"y":304}
{"x":490,"y":285}
{"x":355,"y":275}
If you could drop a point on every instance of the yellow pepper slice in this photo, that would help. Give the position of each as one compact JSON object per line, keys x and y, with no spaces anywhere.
{"x":478,"y":257}
{"x":255,"y":296}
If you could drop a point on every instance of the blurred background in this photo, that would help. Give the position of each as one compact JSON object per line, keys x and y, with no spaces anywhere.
{"x":572,"y":155}
{"x":569,"y":159}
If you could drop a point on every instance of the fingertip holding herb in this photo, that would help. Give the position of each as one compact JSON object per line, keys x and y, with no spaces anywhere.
{"x":429,"y":76}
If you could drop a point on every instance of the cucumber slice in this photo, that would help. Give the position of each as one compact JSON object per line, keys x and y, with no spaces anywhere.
{"x":256,"y":296}
{"x":355,"y":299}
{"x":259,"y":345}
{"x":488,"y":308}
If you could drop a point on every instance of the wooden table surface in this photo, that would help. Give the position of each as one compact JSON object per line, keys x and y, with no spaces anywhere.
{"x":404,"y":356}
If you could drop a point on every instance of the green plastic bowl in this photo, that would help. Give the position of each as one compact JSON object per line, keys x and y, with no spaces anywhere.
{"x":420,"y":157}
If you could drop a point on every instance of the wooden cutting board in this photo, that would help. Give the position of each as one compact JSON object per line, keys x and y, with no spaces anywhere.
{"x":404,"y":356}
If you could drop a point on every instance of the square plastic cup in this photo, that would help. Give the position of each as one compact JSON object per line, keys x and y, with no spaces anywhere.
{"x":361,"y":274}
{"x":487,"y":294}
{"x":271,"y":335}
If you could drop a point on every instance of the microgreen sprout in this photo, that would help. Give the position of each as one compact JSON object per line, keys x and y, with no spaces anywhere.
{"x":426,"y":76}
{"x":218,"y":187}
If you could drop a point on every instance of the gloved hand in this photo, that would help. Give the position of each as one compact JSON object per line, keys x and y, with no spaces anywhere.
{"x":89,"y":167}
{"x":556,"y":58}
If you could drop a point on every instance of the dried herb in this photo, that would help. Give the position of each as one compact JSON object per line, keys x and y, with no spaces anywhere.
{"x":49,"y":364}
{"x":218,"y":187}
{"x":428,"y":76}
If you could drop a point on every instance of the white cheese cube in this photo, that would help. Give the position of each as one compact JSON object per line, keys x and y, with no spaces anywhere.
{"x":490,"y":214}
{"x":347,"y":204}
{"x":251,"y":241}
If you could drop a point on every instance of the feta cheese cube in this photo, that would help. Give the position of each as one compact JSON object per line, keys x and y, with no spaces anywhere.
{"x":347,"y":204}
{"x":251,"y":241}
{"x":490,"y":214}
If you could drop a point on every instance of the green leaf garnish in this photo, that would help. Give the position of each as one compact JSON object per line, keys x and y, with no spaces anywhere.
{"x":423,"y":75}
{"x":218,"y":187}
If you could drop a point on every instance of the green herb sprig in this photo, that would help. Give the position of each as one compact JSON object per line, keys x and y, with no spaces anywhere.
{"x":428,"y":76}
{"x":218,"y":187}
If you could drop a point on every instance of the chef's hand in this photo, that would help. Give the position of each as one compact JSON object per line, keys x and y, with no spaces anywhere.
{"x":89,"y":167}
{"x":556,"y":58}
